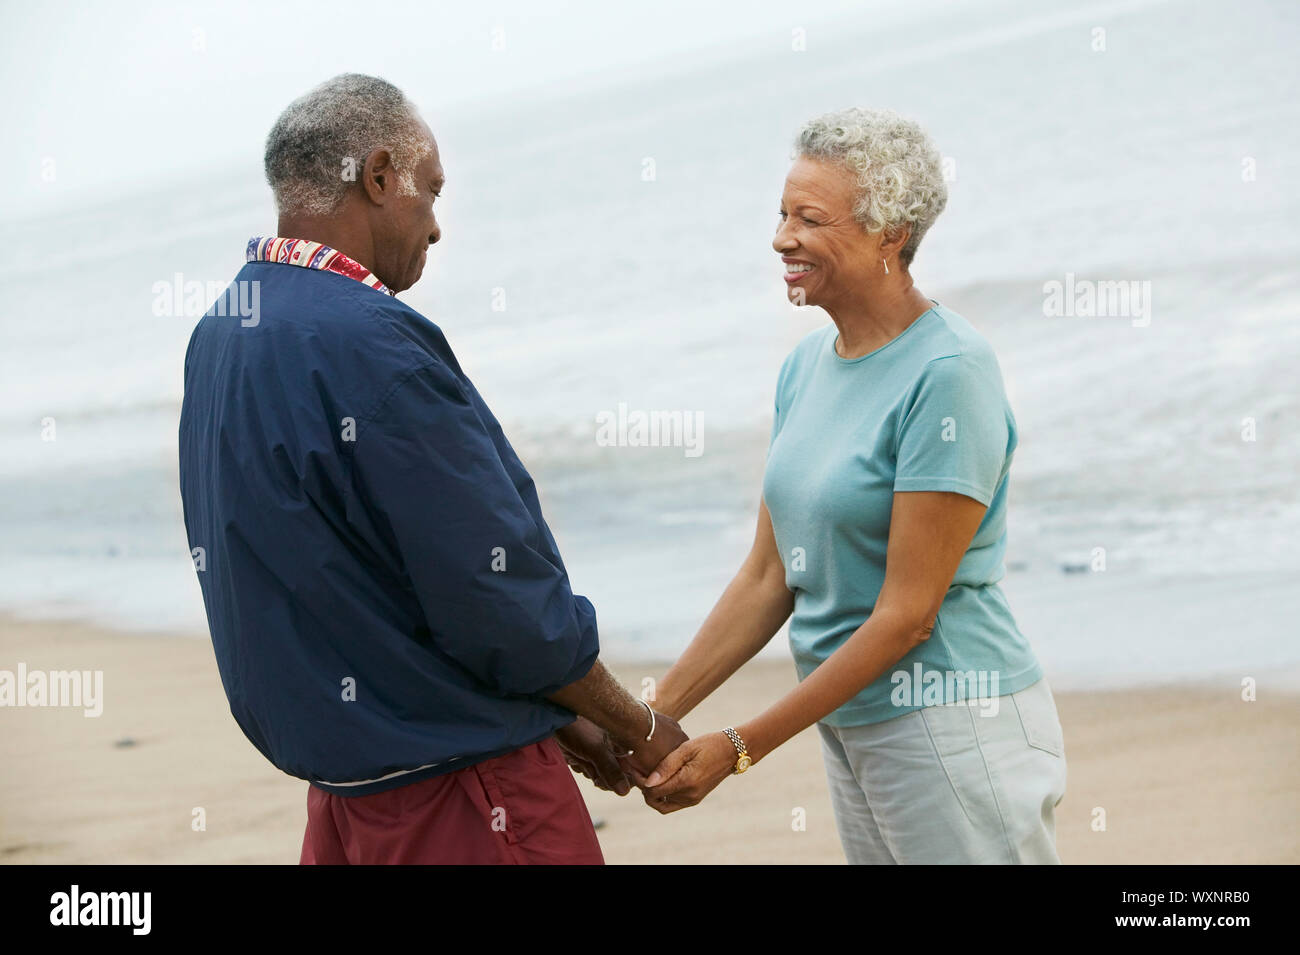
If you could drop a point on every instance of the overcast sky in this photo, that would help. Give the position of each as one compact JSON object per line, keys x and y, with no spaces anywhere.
{"x":110,"y":96}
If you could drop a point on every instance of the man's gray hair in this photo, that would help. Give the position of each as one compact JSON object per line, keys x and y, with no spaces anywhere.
{"x":898,"y":168}
{"x":318,"y":146}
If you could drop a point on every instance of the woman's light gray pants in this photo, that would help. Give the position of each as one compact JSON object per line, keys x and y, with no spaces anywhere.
{"x":951,"y":784}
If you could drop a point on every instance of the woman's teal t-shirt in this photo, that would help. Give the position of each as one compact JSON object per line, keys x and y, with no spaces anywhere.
{"x":925,"y":412}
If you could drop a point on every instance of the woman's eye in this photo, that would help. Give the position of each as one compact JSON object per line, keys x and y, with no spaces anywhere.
{"x":785,"y":215}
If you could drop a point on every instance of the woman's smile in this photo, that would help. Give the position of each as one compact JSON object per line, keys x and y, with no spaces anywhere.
{"x":796,"y":269}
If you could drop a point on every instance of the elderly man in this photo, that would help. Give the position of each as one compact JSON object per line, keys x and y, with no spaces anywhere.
{"x":391,"y":618}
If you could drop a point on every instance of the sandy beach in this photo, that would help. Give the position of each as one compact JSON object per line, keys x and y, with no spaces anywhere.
{"x":1185,"y":774}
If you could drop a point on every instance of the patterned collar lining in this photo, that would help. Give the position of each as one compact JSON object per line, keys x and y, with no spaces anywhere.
{"x":311,"y":255}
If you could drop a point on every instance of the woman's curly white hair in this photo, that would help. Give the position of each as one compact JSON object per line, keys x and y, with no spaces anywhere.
{"x":899,"y":170}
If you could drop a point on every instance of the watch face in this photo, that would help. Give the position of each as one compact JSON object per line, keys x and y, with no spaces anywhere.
{"x":742,"y":764}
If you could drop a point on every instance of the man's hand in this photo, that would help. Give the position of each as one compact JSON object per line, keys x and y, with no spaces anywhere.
{"x":689,"y":773}
{"x":645,"y":756}
{"x":589,"y":751}
{"x":608,"y":705}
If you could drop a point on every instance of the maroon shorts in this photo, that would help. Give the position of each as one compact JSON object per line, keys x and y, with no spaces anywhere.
{"x":523,"y":808}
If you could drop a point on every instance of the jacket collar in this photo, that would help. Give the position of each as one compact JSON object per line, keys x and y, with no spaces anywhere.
{"x":311,"y":255}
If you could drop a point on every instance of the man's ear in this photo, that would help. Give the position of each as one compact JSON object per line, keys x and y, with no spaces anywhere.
{"x":378,"y":177}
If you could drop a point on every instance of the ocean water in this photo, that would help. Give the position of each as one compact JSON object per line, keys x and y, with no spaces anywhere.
{"x":571,"y":283}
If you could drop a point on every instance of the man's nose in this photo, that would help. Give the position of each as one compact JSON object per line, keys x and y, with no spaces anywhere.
{"x":435,"y":235}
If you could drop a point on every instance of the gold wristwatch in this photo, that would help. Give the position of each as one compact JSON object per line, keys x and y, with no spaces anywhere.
{"x":743,"y":762}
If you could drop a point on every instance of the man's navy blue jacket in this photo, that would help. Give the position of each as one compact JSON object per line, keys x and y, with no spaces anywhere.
{"x":385,"y":599}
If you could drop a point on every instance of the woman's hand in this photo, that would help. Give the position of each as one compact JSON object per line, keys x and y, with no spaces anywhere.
{"x":690,"y":772}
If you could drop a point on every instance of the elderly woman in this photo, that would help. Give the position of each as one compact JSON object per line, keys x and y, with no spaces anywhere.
{"x":882,"y":530}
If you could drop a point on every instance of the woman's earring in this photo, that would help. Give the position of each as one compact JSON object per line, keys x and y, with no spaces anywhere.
{"x":886,"y":261}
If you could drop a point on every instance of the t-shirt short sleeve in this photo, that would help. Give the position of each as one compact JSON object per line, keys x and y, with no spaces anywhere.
{"x":953,"y":431}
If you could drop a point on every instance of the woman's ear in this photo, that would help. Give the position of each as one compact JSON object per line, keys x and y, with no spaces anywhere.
{"x":891,"y":243}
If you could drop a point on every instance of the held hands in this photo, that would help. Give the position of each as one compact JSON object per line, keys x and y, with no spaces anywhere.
{"x":673,"y":771}
{"x":641,"y":757}
{"x":689,"y":773}
{"x":588,"y":750}
{"x":591,"y":751}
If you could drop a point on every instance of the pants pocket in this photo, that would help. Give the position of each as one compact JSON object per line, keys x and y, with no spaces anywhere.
{"x":1038,"y":718}
{"x":501,"y":818}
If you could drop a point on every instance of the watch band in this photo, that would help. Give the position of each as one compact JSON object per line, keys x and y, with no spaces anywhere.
{"x":743,"y":762}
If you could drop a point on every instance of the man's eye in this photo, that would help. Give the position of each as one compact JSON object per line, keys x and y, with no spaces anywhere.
{"x":809,"y":221}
